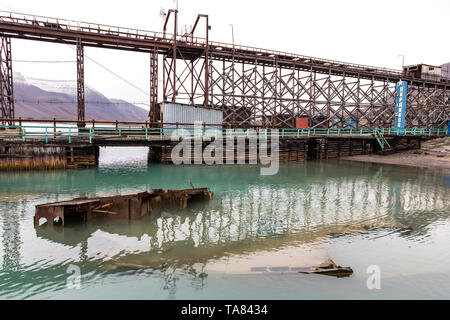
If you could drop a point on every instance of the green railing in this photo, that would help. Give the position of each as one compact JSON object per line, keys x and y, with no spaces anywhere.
{"x":381,"y":139}
{"x":61,"y":133}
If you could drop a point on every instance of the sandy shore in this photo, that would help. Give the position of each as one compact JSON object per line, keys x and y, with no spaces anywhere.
{"x":434,"y":154}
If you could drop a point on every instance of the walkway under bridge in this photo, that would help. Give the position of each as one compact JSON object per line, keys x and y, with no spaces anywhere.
{"x":146,"y":133}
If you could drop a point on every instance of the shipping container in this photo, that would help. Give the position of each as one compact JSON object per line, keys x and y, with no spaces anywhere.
{"x":181,"y":113}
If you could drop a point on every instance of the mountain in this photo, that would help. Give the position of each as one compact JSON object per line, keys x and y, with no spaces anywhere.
{"x":48,"y":99}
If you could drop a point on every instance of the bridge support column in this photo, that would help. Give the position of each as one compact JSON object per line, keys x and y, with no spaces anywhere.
{"x":170,"y":81}
{"x":154,"y":110}
{"x":207,"y":68}
{"x":6,"y":82}
{"x":80,"y":83}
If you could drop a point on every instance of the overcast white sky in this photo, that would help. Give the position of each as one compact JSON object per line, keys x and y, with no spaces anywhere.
{"x":365,"y":32}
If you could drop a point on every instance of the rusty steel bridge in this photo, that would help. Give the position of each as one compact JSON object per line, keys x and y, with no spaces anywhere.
{"x":251,"y":86}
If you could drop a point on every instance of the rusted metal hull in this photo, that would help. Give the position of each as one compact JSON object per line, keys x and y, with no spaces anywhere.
{"x":330,"y":268}
{"x":130,"y":207}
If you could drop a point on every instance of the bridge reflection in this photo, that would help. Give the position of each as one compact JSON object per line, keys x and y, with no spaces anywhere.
{"x":250,"y":215}
{"x":305,"y":209}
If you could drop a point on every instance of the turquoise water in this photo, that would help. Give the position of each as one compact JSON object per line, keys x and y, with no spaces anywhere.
{"x":349,"y":212}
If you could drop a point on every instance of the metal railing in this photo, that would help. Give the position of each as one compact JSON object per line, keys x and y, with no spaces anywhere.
{"x":71,"y":134}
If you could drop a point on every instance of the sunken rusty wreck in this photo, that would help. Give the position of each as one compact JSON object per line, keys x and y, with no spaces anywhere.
{"x":130,"y":207}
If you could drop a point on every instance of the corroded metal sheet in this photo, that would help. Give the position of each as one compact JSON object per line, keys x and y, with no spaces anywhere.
{"x":131,"y":207}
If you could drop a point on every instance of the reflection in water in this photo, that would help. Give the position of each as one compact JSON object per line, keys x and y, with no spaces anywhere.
{"x":288,"y":217}
{"x":11,"y":241}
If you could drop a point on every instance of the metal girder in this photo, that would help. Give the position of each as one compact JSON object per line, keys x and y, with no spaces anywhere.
{"x":190,"y":77}
{"x":154,"y":115}
{"x":80,"y":82}
{"x":206,"y":58}
{"x":59,"y":30}
{"x":6,"y":82}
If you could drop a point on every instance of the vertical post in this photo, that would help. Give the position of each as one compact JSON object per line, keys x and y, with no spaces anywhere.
{"x":207,"y":70}
{"x":164,"y":98}
{"x":263,"y":94}
{"x":6,"y":82}
{"x":174,"y":58}
{"x":206,"y":102}
{"x":172,"y":66}
{"x":153,"y":115}
{"x":80,"y":83}
{"x":191,"y":99}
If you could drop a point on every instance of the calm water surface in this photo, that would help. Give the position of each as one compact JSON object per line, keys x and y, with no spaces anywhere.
{"x":349,"y":212}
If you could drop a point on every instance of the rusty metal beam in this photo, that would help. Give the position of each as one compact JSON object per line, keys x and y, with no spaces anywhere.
{"x":63,"y":31}
{"x":173,"y":66}
{"x":80,"y":83}
{"x":6,"y":82}
{"x":206,"y":57}
{"x":154,"y":115}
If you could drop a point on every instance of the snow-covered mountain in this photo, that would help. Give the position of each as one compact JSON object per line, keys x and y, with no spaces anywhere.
{"x":47,"y":99}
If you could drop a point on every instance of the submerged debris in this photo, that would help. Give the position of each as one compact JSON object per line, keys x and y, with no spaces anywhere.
{"x":132,"y":206}
{"x":329,"y":268}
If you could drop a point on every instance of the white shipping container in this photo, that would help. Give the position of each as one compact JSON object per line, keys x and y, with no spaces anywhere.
{"x":181,"y":113}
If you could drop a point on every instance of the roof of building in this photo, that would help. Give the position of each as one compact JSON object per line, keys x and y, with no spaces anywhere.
{"x":421,"y":64}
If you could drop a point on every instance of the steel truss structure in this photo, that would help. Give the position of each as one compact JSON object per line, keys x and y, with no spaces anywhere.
{"x":274,"y":94}
{"x":6,"y":82}
{"x":251,"y":86}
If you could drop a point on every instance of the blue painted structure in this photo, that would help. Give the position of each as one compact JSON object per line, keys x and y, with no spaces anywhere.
{"x":337,"y":123}
{"x":400,"y":106}
{"x":351,"y":124}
